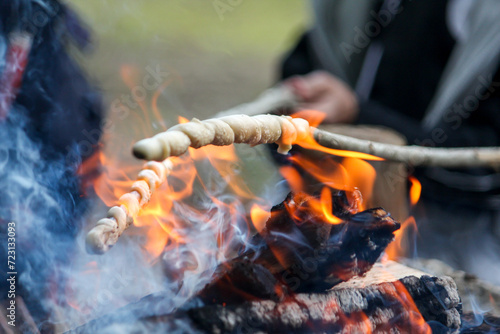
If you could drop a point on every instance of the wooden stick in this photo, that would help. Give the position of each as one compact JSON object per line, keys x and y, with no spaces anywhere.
{"x":287,"y":131}
{"x":106,"y":232}
{"x":465,"y":157}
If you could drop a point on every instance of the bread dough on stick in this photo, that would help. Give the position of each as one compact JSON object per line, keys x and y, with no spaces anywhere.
{"x":107,"y":231}
{"x":270,"y":128}
{"x":198,"y":132}
{"x":224,"y":135}
{"x":165,"y":144}
{"x":288,"y":135}
{"x":245,"y":128}
{"x":260,"y":129}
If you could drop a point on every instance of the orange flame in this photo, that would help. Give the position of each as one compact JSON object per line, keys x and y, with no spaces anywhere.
{"x":259,"y":216}
{"x":415,"y":190}
{"x":315,"y":118}
{"x":293,"y":177}
{"x":326,"y":206}
{"x":350,"y":175}
{"x":400,"y":247}
{"x":415,"y":322}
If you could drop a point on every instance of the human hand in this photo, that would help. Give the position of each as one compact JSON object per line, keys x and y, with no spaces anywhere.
{"x":324,"y":92}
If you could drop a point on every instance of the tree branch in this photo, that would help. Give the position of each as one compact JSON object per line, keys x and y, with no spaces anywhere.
{"x":413,"y":155}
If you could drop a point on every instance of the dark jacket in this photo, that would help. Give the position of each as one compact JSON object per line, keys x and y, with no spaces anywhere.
{"x":404,"y":63}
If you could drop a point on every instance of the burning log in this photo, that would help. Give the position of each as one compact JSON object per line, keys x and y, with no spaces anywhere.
{"x":107,"y":231}
{"x":282,"y":281}
{"x":376,"y":307}
{"x":299,"y":250}
{"x":380,"y":301}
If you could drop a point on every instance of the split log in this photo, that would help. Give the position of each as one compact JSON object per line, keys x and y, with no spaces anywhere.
{"x":377,"y":302}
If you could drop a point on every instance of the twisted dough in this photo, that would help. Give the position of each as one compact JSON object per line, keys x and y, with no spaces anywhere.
{"x":107,"y":231}
{"x":260,"y":129}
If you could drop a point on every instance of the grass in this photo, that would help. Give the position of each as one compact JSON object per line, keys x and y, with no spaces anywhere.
{"x":260,"y":27}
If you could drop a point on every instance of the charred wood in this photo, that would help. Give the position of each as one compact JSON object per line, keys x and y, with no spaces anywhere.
{"x":374,"y":308}
{"x":371,"y":303}
{"x":306,"y":253}
{"x":282,"y":282}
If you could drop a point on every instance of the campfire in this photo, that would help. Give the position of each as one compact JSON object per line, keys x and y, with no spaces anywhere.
{"x":314,"y":262}
{"x":187,"y":246}
{"x":183,"y":242}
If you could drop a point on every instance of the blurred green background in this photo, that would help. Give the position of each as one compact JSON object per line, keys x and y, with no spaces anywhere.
{"x":223,"y":52}
{"x":218,"y":53}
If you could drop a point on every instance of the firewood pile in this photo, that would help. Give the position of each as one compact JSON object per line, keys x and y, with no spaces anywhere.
{"x":304,"y":274}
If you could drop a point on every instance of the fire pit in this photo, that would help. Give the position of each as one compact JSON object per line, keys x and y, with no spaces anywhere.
{"x":282,"y":282}
{"x":312,"y":264}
